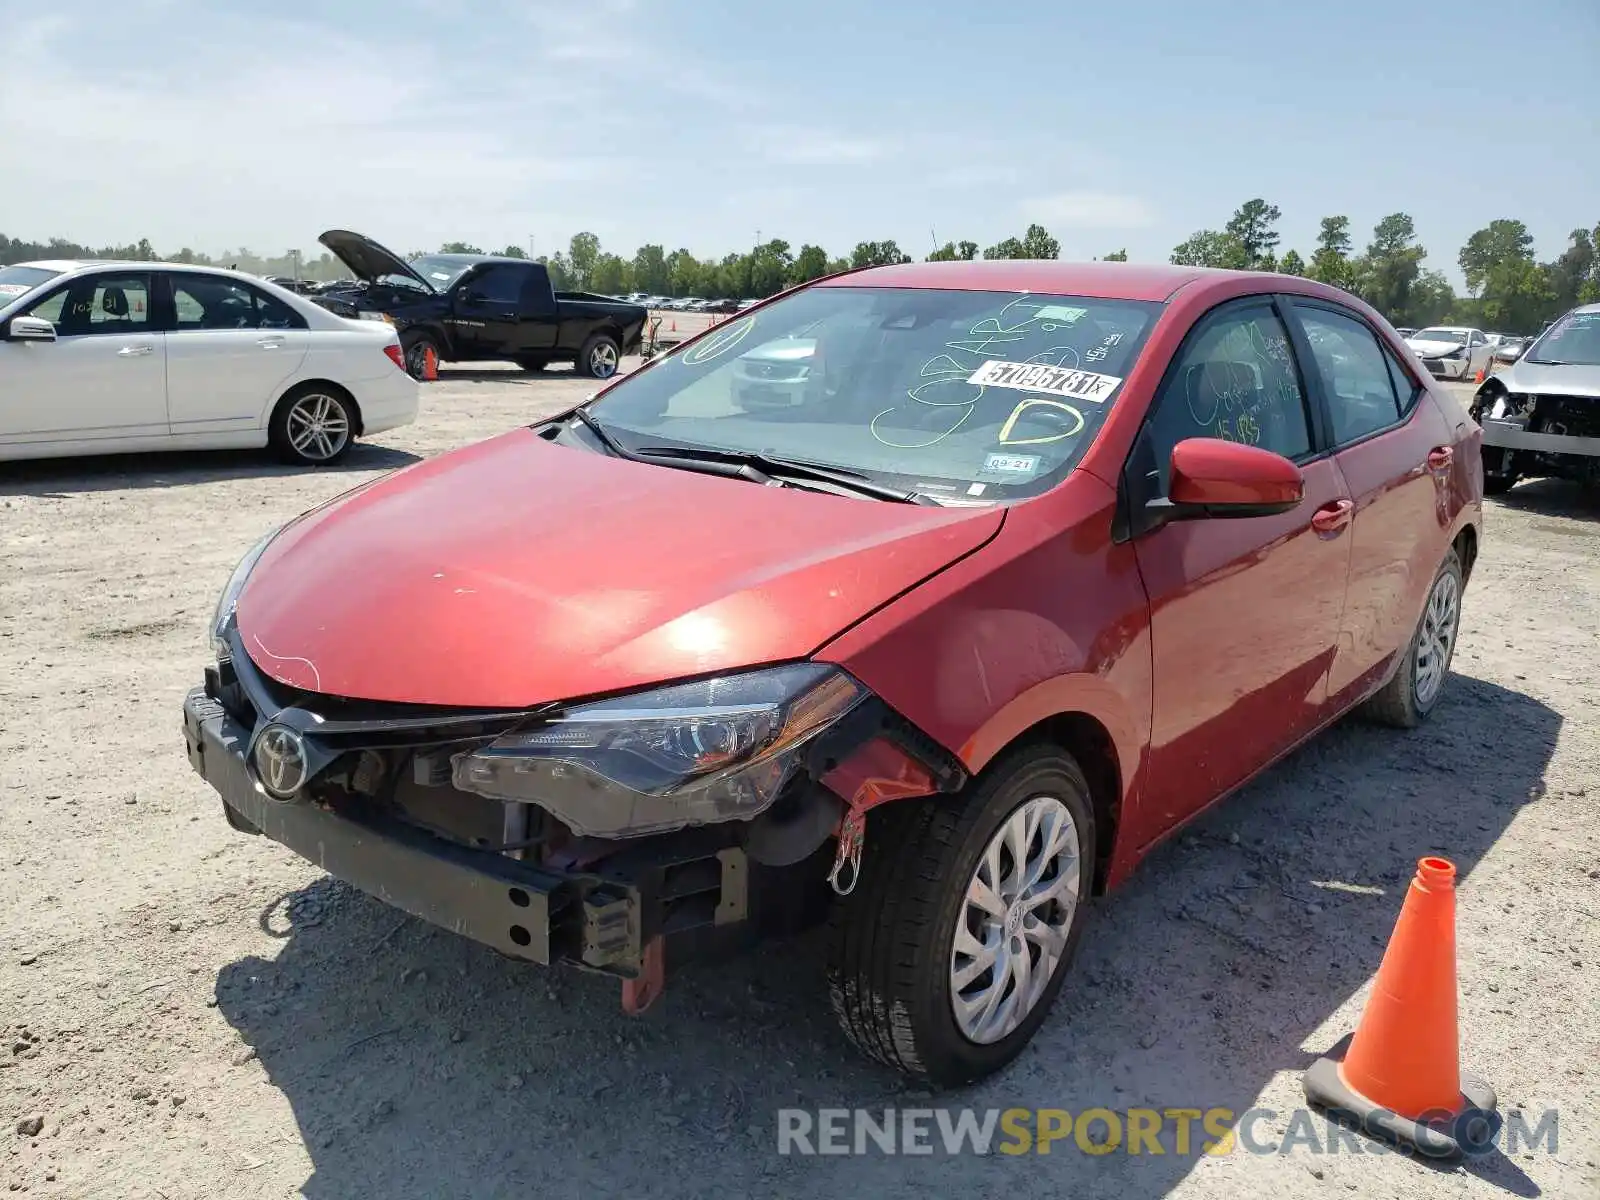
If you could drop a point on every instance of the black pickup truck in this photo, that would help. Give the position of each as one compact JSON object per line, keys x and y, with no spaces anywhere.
{"x":481,"y":308}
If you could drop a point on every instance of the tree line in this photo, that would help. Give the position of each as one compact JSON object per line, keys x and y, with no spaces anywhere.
{"x":1507,"y":289}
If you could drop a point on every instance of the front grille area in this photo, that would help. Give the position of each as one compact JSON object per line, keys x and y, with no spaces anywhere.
{"x":1574,"y":416}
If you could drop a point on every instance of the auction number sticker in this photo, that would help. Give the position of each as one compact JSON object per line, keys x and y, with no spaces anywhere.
{"x":1045,"y":380}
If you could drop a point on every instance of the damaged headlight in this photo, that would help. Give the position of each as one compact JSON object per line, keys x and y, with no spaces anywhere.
{"x":688,"y":754}
{"x":229,"y":600}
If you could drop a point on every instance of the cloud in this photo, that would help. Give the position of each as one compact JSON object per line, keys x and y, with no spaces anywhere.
{"x":1090,"y":210}
{"x":795,"y":145}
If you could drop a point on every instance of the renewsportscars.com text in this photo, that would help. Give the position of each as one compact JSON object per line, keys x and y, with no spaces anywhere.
{"x":1098,"y":1131}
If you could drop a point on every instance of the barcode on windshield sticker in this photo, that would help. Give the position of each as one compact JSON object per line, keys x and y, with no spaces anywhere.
{"x":1045,"y":380}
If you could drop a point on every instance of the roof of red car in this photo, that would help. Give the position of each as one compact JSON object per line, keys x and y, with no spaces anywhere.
{"x":1102,"y":280}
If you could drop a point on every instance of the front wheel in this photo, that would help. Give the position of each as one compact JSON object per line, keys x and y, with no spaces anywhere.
{"x":947,"y":956}
{"x":599,"y":357}
{"x":1408,"y":697}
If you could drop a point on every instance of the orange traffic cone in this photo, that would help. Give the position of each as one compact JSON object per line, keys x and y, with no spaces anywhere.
{"x":1478,"y":378}
{"x":430,"y":365}
{"x":1399,"y":1076}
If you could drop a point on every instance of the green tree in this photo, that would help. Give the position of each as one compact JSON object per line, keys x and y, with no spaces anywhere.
{"x":1572,"y":272}
{"x":878,"y":254}
{"x":769,"y":268}
{"x":1291,"y":263}
{"x":650,"y":273}
{"x":1513,"y":291}
{"x":955,"y":252}
{"x":610,"y":275}
{"x":1253,"y":227}
{"x":684,"y":273}
{"x":1035,"y":243}
{"x":512,"y":250}
{"x":1387,"y":271}
{"x":1431,"y":302}
{"x":1116,"y":256}
{"x":582,"y":254}
{"x":459,"y":248}
{"x":1330,"y":262}
{"x":1208,"y":248}
{"x":810,"y":263}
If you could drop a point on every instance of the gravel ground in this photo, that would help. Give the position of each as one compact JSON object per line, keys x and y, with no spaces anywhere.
{"x":190,"y":1012}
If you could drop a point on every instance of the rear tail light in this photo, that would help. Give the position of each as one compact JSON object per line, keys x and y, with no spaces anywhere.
{"x":396,"y":355}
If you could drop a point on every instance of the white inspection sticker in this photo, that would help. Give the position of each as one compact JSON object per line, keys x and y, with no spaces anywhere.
{"x":1045,"y":380}
{"x":1011,"y":464}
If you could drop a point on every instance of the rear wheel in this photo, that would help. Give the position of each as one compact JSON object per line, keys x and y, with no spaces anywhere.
{"x":599,"y":357}
{"x":313,"y":426}
{"x":1408,"y":698}
{"x":947,"y":956}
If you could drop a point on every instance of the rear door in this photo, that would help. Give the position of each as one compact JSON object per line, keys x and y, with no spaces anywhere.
{"x":104,"y":377}
{"x":1394,"y":450}
{"x":1244,"y":612}
{"x":231,"y":351}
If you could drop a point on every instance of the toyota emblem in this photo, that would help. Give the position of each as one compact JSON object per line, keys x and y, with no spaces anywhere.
{"x":280,"y":758}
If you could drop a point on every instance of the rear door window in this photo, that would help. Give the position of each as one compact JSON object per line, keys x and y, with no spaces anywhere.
{"x":1354,"y":373}
{"x":209,"y":302}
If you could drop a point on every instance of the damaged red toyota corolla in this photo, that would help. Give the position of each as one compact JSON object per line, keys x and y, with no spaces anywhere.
{"x":954,"y":586}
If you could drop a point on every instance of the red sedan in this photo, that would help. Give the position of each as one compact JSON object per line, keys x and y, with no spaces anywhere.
{"x":926,"y":599}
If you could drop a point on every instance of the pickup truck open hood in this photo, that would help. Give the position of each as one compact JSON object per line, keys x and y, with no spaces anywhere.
{"x":367,"y":259}
{"x":515,"y":572}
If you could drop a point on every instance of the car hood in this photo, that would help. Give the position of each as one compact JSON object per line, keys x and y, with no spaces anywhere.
{"x":367,"y":259}
{"x":1554,"y":378}
{"x":515,"y":572}
{"x":1428,"y":347}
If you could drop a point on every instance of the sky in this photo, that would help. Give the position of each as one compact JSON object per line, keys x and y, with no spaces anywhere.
{"x":224,"y":125}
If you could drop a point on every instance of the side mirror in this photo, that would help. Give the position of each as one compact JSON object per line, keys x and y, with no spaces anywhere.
{"x":473,"y":296}
{"x":1209,"y":477}
{"x":29,"y":329}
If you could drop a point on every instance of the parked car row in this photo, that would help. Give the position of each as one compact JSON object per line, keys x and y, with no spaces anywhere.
{"x":686,"y":303}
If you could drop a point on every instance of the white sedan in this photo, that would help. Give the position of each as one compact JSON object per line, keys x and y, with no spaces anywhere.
{"x":101,"y":358}
{"x":1453,"y":351}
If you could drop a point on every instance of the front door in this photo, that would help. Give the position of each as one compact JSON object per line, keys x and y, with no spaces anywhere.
{"x":1244,"y":612}
{"x":101,"y":382}
{"x":1393,"y":449}
{"x":487,"y":313}
{"x":231,"y":351}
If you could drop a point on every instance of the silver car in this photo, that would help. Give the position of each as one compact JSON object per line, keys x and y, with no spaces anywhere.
{"x":1541,"y":416}
{"x":773,"y":375}
{"x":1452,"y":351}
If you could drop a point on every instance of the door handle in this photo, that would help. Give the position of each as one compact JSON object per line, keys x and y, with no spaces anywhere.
{"x":270,"y":343}
{"x":1331,"y":518}
{"x":1440,"y":458}
{"x":134,"y":351}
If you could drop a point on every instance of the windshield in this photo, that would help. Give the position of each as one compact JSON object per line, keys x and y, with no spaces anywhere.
{"x":439,"y":272}
{"x":1574,"y":340}
{"x":1440,"y":335}
{"x":14,"y":281}
{"x":959,"y":395}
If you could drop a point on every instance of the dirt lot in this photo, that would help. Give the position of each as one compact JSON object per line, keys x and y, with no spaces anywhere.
{"x":196,"y":1013}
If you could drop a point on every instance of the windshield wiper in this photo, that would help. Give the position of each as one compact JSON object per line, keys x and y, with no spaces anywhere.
{"x":785,"y":470}
{"x":731,"y":470}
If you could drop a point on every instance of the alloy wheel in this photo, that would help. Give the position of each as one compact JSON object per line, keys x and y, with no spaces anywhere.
{"x":603,"y":361}
{"x":318,"y":427}
{"x":1436,"y":639}
{"x":1012,"y":930}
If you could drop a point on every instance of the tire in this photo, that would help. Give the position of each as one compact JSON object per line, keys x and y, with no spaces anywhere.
{"x":599,"y":357}
{"x":314,"y":425}
{"x":1412,"y":693}
{"x":533,"y":364}
{"x":892,"y":940}
{"x":415,"y":347}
